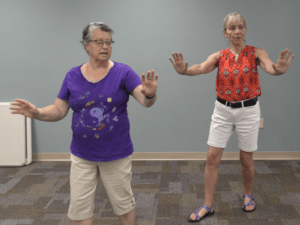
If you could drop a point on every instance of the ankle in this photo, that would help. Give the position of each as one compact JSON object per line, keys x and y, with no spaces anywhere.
{"x":209,"y":205}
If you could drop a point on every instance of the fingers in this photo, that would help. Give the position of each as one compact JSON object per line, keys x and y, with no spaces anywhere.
{"x":18,"y":102}
{"x":15,"y":110}
{"x":171,"y":61}
{"x":143,"y":78}
{"x":177,"y":56}
{"x":288,"y":55}
{"x":150,"y":76}
{"x":21,"y":100}
{"x":285,"y":54}
{"x":281,"y":54}
{"x":186,"y":65}
{"x":290,"y":60}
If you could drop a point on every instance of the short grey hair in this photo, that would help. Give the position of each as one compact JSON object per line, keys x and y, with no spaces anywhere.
{"x":233,"y":16}
{"x":87,"y":33}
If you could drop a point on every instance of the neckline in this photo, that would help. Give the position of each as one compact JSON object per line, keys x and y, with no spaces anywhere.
{"x":239,"y":52}
{"x":99,"y":80}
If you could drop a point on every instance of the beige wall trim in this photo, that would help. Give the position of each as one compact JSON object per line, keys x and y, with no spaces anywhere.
{"x":139,"y":156}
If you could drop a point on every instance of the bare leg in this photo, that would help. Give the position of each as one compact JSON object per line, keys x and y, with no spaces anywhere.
{"x":84,"y":222}
{"x":214,"y":156}
{"x":128,"y":218}
{"x":246,"y":159}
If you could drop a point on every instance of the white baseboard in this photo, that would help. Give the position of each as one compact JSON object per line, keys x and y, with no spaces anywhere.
{"x":139,"y":156}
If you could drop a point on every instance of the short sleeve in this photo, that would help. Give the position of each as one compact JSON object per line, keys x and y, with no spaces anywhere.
{"x":64,"y":93}
{"x":132,"y":80}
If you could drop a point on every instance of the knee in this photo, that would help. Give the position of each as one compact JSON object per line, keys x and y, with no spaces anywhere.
{"x":246,"y":162}
{"x":213,"y":159}
{"x":86,"y":221}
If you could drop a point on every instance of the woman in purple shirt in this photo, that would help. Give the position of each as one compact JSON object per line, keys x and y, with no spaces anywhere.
{"x":98,"y":92}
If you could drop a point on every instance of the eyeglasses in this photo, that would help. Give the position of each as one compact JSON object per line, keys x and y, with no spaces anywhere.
{"x":101,"y":43}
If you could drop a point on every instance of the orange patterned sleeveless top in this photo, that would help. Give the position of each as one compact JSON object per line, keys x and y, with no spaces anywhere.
{"x":237,"y":81}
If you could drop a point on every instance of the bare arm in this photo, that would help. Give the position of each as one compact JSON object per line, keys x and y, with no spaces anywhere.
{"x":52,"y":113}
{"x":268,"y":66}
{"x":197,"y":69}
{"x":205,"y":67}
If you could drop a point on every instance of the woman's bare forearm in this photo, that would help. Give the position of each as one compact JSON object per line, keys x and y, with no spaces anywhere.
{"x":194,"y":70}
{"x":205,"y":67}
{"x":50,"y":113}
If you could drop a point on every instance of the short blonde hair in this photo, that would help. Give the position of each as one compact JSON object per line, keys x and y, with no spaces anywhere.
{"x":232,"y":16}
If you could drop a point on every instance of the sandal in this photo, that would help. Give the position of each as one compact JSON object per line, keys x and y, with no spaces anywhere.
{"x":249,"y":203}
{"x":209,"y":213}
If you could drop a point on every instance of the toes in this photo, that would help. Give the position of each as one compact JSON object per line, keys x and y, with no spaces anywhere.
{"x":249,"y":207}
{"x":193,"y":216}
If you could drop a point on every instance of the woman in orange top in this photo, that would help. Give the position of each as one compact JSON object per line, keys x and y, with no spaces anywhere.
{"x":237,"y":105}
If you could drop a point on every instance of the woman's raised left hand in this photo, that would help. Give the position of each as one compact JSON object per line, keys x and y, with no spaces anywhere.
{"x":149,"y":85}
{"x":283,"y":62}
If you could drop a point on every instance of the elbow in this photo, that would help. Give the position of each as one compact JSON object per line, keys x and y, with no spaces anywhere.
{"x":148,"y":105}
{"x":60,"y":113}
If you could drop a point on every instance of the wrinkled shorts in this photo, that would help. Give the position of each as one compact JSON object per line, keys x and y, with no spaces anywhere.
{"x":225,"y":120}
{"x":116,"y":177}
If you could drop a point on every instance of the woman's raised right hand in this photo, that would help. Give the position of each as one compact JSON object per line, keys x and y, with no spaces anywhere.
{"x":179,"y":65}
{"x":25,"y":108}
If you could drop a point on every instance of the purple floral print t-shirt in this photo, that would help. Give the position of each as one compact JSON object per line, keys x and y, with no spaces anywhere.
{"x":100,"y":121}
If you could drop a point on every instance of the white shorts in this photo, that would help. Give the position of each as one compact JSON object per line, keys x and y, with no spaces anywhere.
{"x":245,"y":121}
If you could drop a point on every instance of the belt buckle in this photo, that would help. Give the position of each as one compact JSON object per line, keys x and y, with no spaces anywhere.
{"x":234,"y":105}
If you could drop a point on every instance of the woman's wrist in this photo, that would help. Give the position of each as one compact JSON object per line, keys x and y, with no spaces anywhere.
{"x":184,"y":73}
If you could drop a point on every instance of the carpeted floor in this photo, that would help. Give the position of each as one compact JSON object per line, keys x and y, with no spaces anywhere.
{"x":166,"y":192}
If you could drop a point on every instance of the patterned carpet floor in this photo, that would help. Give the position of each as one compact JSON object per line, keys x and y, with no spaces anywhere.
{"x":166,"y":192}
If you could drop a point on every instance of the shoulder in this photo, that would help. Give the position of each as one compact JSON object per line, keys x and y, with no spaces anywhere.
{"x":74,"y":70}
{"x":124,"y":71}
{"x":123,"y":66}
{"x":259,"y":51}
{"x":215,"y":56}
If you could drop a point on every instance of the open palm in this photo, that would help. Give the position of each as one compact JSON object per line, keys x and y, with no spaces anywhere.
{"x":24,"y":108}
{"x":149,"y":85}
{"x":179,"y":65}
{"x":283,"y":62}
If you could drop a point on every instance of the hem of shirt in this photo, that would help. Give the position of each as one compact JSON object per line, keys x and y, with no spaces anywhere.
{"x":106,"y":159}
{"x":135,"y":86}
{"x":238,"y":100}
{"x":62,"y":98}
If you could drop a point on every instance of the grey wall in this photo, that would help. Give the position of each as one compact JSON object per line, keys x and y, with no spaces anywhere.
{"x":40,"y":43}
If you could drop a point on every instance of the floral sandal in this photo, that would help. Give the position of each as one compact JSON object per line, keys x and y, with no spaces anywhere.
{"x":249,"y":203}
{"x":209,"y":213}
